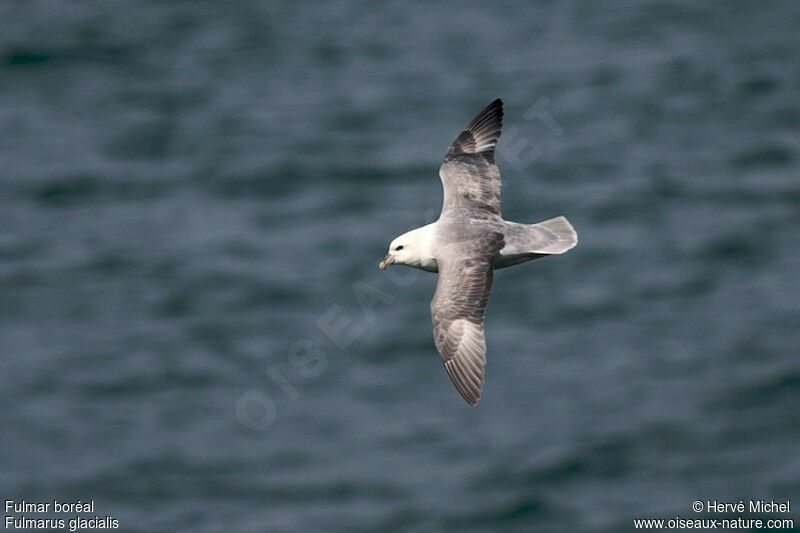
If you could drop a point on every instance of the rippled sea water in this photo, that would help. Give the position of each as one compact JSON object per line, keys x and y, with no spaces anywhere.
{"x":194,"y":197}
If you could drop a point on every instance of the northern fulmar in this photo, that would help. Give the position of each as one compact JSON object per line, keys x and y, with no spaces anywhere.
{"x":468,"y":242}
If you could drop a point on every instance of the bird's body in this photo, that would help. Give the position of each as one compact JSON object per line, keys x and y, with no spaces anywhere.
{"x":467,"y":243}
{"x":523,"y":242}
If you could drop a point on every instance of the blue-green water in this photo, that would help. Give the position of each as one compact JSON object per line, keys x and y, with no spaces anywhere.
{"x":194,"y":194}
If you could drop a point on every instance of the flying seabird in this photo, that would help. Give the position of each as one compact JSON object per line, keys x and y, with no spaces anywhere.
{"x":468,"y":242}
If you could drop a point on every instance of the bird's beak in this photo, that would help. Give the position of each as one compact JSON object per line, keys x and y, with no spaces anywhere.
{"x":388,"y":260}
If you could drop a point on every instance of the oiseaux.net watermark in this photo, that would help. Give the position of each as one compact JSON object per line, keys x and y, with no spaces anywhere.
{"x":716,"y":514}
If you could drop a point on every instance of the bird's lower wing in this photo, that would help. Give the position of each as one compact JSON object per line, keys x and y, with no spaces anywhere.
{"x":457,"y":309}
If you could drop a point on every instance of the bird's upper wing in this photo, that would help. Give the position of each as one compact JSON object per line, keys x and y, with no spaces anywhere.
{"x":470,"y":177}
{"x":457,"y":309}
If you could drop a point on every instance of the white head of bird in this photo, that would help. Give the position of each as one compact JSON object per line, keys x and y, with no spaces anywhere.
{"x":414,"y":249}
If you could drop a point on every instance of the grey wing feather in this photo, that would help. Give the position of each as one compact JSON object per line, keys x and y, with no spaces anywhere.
{"x":457,"y":310}
{"x":470,"y":177}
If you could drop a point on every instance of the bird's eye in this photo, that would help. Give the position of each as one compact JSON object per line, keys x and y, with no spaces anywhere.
{"x":398,"y":248}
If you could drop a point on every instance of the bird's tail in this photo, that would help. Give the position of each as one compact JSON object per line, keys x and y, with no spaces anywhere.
{"x":561,"y":236}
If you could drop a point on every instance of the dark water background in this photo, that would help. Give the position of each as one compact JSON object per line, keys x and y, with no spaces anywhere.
{"x":188,"y":189}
